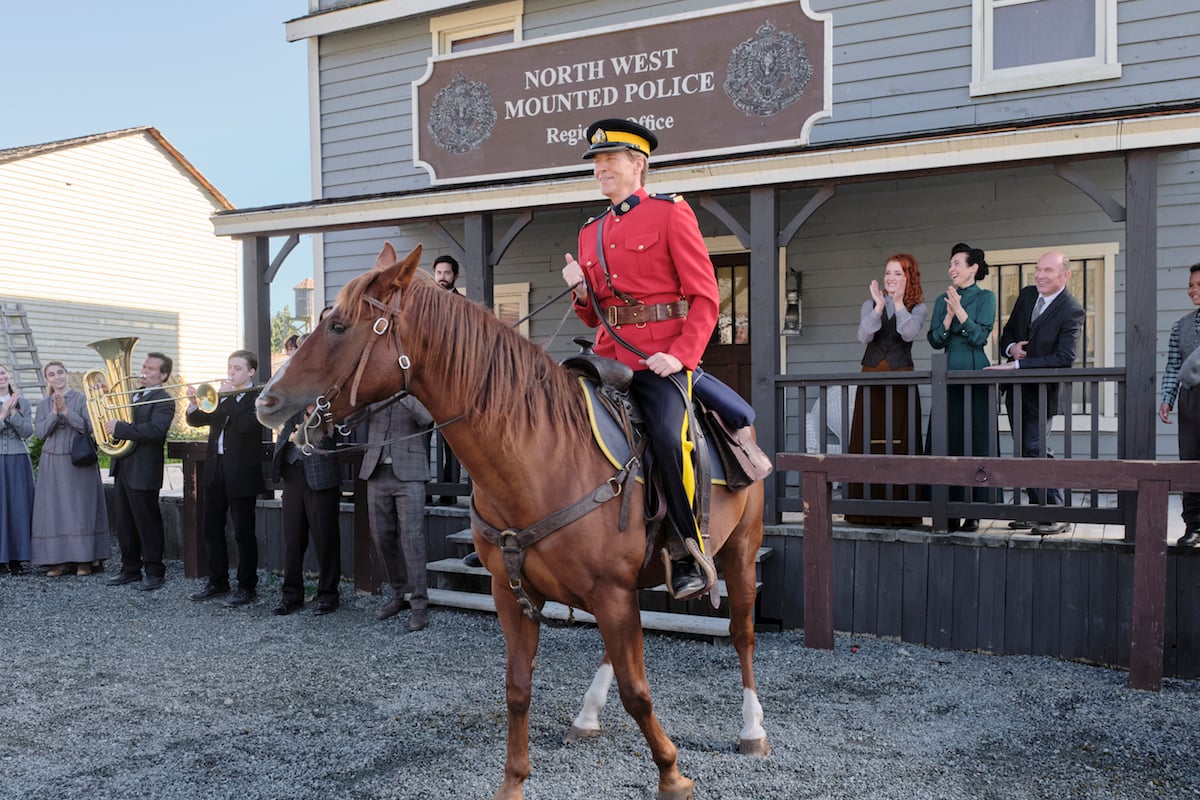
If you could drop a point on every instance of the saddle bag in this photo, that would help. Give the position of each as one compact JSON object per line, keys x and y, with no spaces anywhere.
{"x":744,"y":461}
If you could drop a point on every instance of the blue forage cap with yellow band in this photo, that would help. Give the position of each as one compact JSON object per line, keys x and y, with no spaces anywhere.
{"x":611,"y":135}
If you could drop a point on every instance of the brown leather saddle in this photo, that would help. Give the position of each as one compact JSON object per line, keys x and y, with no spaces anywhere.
{"x":735,"y":459}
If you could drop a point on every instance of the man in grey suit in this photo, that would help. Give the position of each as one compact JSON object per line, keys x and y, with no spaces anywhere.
{"x":311,"y":497}
{"x":1042,"y":332}
{"x":396,"y":469}
{"x":138,"y":476}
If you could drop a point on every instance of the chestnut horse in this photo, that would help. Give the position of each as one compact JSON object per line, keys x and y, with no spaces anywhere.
{"x":519,"y":427}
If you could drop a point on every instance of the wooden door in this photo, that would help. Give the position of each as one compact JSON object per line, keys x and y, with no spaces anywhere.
{"x":728,"y":353}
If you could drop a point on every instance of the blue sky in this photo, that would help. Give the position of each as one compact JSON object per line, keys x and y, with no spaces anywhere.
{"x":218,"y":78}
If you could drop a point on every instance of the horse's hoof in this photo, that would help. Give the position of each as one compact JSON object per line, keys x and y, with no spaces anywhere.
{"x":579,"y":734}
{"x":684,"y":792}
{"x":754,"y":747}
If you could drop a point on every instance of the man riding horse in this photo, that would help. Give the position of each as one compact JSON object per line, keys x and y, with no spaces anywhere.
{"x":644,"y":267}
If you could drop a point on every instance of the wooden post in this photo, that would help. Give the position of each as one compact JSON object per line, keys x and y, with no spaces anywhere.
{"x":764,"y":328}
{"x":1149,"y":586}
{"x":478,"y":269}
{"x":939,"y":437}
{"x":366,"y":579}
{"x":1139,"y":405}
{"x":818,"y":561}
{"x":193,"y":552}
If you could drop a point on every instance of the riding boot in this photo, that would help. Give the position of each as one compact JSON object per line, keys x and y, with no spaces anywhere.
{"x":689,"y":574}
{"x":686,"y":580}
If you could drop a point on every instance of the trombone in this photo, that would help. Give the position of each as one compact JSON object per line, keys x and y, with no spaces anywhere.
{"x":207,"y":396}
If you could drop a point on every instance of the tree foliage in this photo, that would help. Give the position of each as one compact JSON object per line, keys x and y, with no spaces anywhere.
{"x":281,"y":328}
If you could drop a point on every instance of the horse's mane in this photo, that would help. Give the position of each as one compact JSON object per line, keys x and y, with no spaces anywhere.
{"x":498,"y":377}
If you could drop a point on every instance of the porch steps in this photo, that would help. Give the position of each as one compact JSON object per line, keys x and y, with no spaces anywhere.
{"x":454,"y":583}
{"x":689,"y":624}
{"x":457,"y":567}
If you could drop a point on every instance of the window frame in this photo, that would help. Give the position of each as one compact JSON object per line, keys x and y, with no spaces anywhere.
{"x":516,"y":293}
{"x":985,"y":80}
{"x":447,"y":29}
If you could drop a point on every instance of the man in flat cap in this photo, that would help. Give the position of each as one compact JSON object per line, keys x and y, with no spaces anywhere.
{"x":645,"y":260}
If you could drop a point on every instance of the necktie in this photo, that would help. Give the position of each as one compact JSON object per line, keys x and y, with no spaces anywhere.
{"x":1038,"y":308}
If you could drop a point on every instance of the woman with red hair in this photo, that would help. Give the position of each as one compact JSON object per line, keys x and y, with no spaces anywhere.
{"x":888,"y":324}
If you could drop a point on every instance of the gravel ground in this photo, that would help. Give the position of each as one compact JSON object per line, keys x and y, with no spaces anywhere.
{"x":112,"y":693}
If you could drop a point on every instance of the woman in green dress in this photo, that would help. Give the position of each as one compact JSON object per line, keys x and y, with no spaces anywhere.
{"x":961,"y":322}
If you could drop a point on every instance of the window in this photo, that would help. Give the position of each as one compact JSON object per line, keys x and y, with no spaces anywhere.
{"x":1092,"y":284}
{"x":510,"y":302}
{"x":1031,"y":44}
{"x":491,"y":25}
{"x":733,"y":285}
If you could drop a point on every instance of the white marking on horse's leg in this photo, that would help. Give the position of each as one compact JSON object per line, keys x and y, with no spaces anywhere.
{"x":594,"y":699}
{"x":752,"y":717}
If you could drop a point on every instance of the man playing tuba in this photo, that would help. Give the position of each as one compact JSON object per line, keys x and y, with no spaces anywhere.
{"x":138,"y":474}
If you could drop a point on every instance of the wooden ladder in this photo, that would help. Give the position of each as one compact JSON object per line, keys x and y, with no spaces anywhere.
{"x":25,"y":366}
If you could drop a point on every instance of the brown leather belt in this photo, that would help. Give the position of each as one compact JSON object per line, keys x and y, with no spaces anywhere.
{"x":637,"y":315}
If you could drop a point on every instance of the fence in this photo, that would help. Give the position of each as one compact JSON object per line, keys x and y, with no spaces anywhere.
{"x":820,"y":413}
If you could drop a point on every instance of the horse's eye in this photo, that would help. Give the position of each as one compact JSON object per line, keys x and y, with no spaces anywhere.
{"x":337,"y":327}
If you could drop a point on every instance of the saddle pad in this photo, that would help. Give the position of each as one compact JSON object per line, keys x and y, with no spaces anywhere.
{"x":611,"y":439}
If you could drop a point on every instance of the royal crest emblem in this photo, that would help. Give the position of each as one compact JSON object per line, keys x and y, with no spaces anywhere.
{"x":462,"y":115}
{"x":768,"y":72}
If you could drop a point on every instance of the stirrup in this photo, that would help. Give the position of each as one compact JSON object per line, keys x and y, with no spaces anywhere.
{"x":708,"y":571}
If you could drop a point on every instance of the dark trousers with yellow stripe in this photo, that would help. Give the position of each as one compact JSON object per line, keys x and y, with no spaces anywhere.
{"x":665,"y":412}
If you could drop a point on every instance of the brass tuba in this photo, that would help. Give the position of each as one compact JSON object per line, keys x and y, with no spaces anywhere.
{"x":117,"y":354}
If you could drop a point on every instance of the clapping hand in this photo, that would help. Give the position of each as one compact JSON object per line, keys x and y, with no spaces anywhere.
{"x":877,"y":296}
{"x":953,"y":300}
{"x":60,"y":404}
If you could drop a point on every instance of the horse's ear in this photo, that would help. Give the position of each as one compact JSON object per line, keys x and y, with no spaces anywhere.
{"x":387,"y":256}
{"x":399,"y":275}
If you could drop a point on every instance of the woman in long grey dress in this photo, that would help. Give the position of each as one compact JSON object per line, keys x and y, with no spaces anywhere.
{"x":70,"y":518}
{"x":16,"y":475}
{"x":888,"y":324}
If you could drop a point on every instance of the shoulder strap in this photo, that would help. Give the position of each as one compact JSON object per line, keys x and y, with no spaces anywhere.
{"x":627,"y":299}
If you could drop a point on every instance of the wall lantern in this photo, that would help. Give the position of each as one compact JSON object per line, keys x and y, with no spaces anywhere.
{"x":792,"y":319}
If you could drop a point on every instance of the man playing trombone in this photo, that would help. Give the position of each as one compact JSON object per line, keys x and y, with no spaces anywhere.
{"x":138,"y":475}
{"x":232,"y":479}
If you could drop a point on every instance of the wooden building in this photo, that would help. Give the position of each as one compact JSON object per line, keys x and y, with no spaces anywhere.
{"x":814,"y":138}
{"x":107,"y":236}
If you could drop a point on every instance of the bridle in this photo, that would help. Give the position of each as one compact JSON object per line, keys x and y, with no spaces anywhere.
{"x":322,"y":417}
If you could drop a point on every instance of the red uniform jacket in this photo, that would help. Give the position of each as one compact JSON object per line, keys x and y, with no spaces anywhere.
{"x":655,"y":253}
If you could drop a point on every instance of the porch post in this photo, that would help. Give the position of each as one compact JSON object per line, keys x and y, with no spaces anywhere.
{"x":1141,"y":266}
{"x":480,"y":277}
{"x":764,"y":327}
{"x":256,"y":302}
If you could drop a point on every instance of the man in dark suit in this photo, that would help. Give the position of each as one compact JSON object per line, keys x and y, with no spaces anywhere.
{"x":396,"y":469}
{"x":1042,"y":332}
{"x":232,"y":479}
{"x":445,"y":273}
{"x":137,"y":477}
{"x":311,"y":496}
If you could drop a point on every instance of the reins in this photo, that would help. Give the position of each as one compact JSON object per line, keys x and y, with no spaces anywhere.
{"x":510,"y":542}
{"x":321,"y":415}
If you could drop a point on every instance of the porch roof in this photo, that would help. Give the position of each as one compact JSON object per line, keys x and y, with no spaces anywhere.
{"x":1045,"y":142}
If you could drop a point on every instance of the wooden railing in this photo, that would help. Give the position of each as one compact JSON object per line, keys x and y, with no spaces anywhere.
{"x":814,"y":412}
{"x":1151,"y":481}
